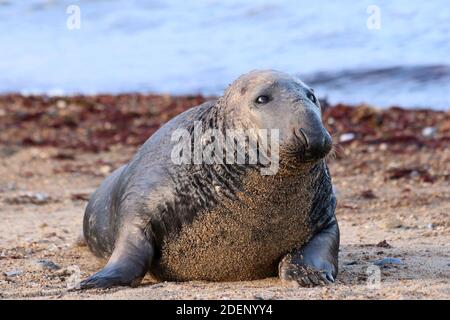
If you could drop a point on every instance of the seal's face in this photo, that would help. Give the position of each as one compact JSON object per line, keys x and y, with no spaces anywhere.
{"x":274,"y":100}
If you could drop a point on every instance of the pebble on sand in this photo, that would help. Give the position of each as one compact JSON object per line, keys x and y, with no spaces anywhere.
{"x":45,"y":265}
{"x":387,"y":261}
{"x":13,"y":273}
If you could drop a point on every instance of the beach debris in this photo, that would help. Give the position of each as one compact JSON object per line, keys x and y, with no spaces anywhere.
{"x":14,"y":253}
{"x":383,"y":244}
{"x":90,"y":123}
{"x":368,"y":194}
{"x":50,"y":235}
{"x":52,"y":247}
{"x":71,"y":275}
{"x":65,"y":272}
{"x":429,"y":132}
{"x":263,"y":296}
{"x":100,"y":168}
{"x":13,"y":273}
{"x":98,"y":122}
{"x":80,"y":196}
{"x":44,"y":264}
{"x":411,"y":172}
{"x":38,"y":198}
{"x":348,"y":206}
{"x":64,"y":155}
{"x":105,"y":169}
{"x":61,"y":104}
{"x":388,"y":261}
{"x":346,"y":137}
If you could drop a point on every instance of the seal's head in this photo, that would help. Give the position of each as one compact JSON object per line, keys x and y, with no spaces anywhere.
{"x":267,"y":99}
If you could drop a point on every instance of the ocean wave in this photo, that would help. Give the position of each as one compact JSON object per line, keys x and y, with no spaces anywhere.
{"x":189,"y":47}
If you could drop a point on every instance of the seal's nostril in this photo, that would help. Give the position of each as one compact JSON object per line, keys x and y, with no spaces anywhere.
{"x":305,"y":137}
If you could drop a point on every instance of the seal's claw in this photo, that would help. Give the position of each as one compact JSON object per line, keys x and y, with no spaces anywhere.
{"x":304,"y":275}
{"x":99,"y":282}
{"x":95,"y":282}
{"x":307,"y":276}
{"x":329,"y":277}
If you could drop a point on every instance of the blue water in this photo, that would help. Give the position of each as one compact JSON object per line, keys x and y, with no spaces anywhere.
{"x":200,"y":46}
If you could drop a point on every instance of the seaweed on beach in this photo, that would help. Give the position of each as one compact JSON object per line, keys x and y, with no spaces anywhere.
{"x":95,"y":123}
{"x":394,"y":126}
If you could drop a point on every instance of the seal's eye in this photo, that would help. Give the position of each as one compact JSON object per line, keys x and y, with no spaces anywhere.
{"x":311,"y":97}
{"x":262,"y":100}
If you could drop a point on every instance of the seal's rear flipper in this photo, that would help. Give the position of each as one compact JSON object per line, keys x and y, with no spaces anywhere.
{"x":128,"y":264}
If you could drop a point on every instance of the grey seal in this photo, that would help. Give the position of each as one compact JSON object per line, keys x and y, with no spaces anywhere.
{"x":223,"y":222}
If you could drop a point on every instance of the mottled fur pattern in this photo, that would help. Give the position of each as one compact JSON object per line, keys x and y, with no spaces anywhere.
{"x":220,"y":221}
{"x":249,"y":232}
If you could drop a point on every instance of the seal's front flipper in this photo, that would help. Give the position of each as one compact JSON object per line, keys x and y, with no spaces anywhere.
{"x":316,"y":262}
{"x":128,"y":264}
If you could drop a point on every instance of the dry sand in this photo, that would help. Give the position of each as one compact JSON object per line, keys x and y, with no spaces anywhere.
{"x":409,"y":214}
{"x":392,"y":182}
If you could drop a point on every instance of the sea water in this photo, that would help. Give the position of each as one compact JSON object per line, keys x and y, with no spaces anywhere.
{"x":200,"y":46}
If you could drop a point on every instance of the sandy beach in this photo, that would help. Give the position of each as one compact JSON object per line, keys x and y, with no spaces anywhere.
{"x":391,"y":171}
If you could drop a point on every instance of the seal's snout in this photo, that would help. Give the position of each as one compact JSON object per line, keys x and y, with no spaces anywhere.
{"x":316,"y":143}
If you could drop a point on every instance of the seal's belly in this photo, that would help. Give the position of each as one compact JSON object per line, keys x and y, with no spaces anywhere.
{"x":238,"y":240}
